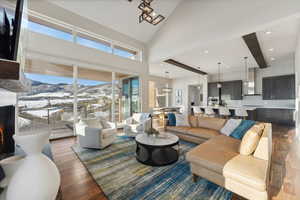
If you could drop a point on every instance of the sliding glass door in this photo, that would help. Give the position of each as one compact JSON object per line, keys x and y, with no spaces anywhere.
{"x":130,"y":96}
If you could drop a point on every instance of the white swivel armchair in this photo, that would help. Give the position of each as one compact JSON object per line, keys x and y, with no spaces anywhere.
{"x":138,"y":123}
{"x":95,"y":133}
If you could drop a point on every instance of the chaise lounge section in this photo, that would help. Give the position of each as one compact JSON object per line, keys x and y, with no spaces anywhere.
{"x":218,"y":158}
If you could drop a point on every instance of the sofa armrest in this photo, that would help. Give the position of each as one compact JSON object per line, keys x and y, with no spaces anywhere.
{"x":129,"y":121}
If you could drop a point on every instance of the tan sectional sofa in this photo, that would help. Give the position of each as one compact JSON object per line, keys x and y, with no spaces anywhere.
{"x":218,"y":160}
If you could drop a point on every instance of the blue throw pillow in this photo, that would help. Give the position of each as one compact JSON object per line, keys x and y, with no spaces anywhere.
{"x":241,"y":130}
{"x":171,"y":119}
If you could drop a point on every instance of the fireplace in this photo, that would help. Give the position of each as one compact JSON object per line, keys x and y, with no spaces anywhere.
{"x":7,"y":130}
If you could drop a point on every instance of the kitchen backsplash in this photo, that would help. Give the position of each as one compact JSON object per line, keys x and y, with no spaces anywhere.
{"x":258,"y":101}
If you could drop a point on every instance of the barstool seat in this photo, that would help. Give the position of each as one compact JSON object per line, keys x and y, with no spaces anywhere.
{"x":197,"y":110}
{"x":224,"y":112}
{"x":209,"y":112}
{"x":241,"y":113}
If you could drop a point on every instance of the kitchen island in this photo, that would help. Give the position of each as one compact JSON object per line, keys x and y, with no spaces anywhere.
{"x":283,"y":115}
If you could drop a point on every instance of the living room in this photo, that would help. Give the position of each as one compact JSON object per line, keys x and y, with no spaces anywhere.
{"x":148,"y":99}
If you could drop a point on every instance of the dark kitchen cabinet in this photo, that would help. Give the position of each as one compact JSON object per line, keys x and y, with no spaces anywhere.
{"x":279,"y":87}
{"x":213,"y":90}
{"x":233,"y":89}
{"x":237,"y":90}
{"x":275,"y":115}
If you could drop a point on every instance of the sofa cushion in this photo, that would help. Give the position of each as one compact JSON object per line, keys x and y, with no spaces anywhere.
{"x":215,"y":153}
{"x":203,"y":132}
{"x":230,"y":125}
{"x":247,"y":170}
{"x":251,"y":139}
{"x":211,"y":123}
{"x":193,"y":121}
{"x":240,"y":131}
{"x":178,"y":129}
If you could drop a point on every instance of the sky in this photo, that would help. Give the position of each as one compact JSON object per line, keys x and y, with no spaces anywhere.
{"x":59,"y":79}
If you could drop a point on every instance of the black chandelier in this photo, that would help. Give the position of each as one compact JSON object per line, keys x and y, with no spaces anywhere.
{"x":148,"y":13}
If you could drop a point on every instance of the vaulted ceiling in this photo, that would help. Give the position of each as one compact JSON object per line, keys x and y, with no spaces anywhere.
{"x":200,"y":33}
{"x":120,"y":15}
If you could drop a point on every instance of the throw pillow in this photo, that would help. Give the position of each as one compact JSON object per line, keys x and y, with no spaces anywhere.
{"x":230,"y":125}
{"x":171,"y":119}
{"x":240,"y":131}
{"x":193,"y":121}
{"x":251,"y":139}
{"x":181,"y":120}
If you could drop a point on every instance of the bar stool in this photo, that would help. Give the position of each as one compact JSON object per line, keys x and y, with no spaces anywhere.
{"x":224,"y":112}
{"x":197,"y":111}
{"x":241,"y":113}
{"x":209,"y":112}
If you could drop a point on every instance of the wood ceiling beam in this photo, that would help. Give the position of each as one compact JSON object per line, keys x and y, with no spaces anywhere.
{"x":184,"y":66}
{"x":254,"y":47}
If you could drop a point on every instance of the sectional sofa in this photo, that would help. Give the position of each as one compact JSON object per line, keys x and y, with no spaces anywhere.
{"x":217,"y":158}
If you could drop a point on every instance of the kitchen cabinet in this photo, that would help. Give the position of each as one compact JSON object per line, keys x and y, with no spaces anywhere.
{"x":279,"y":87}
{"x":213,"y":91}
{"x":275,"y":115}
{"x":233,"y":89}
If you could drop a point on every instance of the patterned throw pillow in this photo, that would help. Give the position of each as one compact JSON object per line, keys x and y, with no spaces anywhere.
{"x":240,"y":131}
{"x":230,"y":126}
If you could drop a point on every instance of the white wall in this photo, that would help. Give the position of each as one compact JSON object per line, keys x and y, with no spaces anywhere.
{"x":183,"y":84}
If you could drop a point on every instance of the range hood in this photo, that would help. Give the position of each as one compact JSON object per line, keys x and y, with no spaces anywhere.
{"x":249,"y":85}
{"x":12,"y":77}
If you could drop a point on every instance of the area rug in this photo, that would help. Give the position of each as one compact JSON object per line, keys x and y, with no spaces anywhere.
{"x":121,"y":176}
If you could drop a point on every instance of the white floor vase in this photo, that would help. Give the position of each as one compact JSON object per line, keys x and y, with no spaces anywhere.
{"x":38,"y":177}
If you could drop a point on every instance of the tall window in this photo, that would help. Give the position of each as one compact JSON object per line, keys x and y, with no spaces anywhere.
{"x":94,"y":96}
{"x":48,"y":107}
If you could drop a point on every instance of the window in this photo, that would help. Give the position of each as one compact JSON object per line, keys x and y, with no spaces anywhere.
{"x":94,"y":43}
{"x":126,"y":53}
{"x":64,"y":31}
{"x":46,"y":30}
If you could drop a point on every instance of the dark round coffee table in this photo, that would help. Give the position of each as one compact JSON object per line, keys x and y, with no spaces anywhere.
{"x":157,"y":151}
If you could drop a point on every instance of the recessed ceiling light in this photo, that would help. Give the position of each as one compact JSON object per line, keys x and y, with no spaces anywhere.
{"x":273,"y":59}
{"x":206,"y":51}
{"x":268,"y":32}
{"x":271,"y":49}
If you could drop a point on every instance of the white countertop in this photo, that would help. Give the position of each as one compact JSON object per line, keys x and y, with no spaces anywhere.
{"x":252,"y":107}
{"x":231,"y":107}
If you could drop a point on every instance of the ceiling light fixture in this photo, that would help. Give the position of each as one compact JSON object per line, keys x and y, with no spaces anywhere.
{"x":271,"y":49}
{"x":167,"y":89}
{"x":206,"y":51}
{"x":268,"y":32}
{"x":273,"y":59}
{"x":219,"y":85}
{"x":148,"y":13}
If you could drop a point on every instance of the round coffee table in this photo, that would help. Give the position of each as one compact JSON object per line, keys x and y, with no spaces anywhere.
{"x":157,"y":150}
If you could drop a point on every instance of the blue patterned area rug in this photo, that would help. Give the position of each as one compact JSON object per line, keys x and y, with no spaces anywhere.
{"x":121,"y":176}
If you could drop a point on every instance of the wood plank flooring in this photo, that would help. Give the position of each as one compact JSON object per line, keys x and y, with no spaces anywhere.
{"x":78,"y":184}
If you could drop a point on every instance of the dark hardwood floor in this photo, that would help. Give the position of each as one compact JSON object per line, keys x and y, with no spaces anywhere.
{"x":77,"y":183}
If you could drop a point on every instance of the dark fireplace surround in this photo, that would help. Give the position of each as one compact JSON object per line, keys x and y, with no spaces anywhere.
{"x":7,"y":130}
